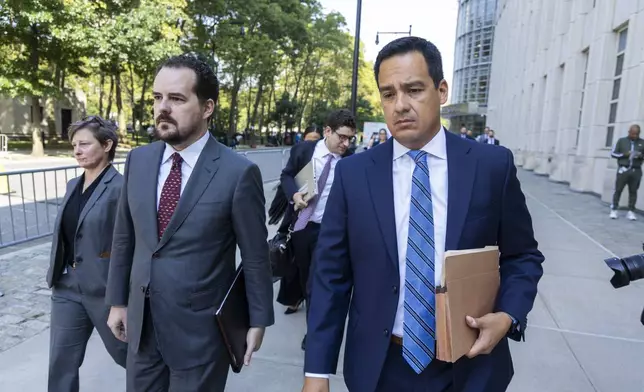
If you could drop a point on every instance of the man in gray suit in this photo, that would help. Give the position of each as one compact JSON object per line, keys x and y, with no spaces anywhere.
{"x":187,"y":202}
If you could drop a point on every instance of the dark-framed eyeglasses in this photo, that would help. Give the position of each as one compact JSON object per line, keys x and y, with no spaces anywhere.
{"x":345,"y":138}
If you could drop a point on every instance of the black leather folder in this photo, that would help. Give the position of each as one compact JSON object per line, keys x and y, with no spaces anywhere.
{"x":234,"y":320}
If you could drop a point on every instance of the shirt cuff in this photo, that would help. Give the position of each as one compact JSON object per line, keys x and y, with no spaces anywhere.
{"x":315,"y":375}
{"x":515,"y":324}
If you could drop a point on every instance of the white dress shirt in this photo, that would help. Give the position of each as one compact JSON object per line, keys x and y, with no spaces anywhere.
{"x":402,"y":172}
{"x":320,"y":156}
{"x":490,"y":140}
{"x":190,"y":155}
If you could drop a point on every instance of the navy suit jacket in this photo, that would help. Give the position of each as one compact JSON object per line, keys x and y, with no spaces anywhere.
{"x":357,"y":273}
{"x":301,"y":155}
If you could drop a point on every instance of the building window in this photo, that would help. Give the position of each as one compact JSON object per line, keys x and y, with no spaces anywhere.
{"x":617,"y":83}
{"x":586,"y":53}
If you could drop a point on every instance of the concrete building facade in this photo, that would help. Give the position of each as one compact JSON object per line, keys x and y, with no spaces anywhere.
{"x":567,"y":82}
{"x":472,"y":63}
{"x":57,"y":114}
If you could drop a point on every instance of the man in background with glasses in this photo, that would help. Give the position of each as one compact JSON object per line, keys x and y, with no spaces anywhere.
{"x":339,"y":133}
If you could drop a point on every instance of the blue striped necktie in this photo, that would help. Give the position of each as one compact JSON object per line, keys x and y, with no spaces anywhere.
{"x":419,"y":340}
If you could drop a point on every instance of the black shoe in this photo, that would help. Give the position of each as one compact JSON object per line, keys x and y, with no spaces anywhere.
{"x":304,"y":343}
{"x":291,"y":310}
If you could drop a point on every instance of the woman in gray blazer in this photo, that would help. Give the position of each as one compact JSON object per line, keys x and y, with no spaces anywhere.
{"x":80,"y":255}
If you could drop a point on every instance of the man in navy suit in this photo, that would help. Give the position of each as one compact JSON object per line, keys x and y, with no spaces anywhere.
{"x":339,"y":134}
{"x":391,"y":214}
{"x":490,"y":139}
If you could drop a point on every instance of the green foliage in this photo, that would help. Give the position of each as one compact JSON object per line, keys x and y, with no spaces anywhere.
{"x":282,"y":64}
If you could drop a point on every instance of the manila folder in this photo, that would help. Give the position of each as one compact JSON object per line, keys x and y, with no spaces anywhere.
{"x":306,"y":182}
{"x":470,"y":283}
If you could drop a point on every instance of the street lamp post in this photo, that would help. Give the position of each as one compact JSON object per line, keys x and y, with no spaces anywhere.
{"x":391,"y":32}
{"x":356,"y":59}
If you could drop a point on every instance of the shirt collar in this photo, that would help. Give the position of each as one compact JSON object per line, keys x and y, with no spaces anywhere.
{"x":189,"y":154}
{"x":436,"y":147}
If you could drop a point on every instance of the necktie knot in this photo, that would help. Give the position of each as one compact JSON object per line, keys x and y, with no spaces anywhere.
{"x":417,"y":155}
{"x":176,"y":160}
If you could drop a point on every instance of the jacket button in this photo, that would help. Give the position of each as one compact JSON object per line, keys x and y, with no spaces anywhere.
{"x":394,"y":289}
{"x":155,"y":255}
{"x":143,"y":289}
{"x":385,"y":332}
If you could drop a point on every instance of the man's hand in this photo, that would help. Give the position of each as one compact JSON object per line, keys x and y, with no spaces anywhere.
{"x":315,"y":384}
{"x":117,"y":321}
{"x":298,"y":200}
{"x":254,"y":340}
{"x":492,"y":328}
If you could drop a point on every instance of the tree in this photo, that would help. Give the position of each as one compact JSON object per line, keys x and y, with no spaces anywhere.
{"x":260,"y":50}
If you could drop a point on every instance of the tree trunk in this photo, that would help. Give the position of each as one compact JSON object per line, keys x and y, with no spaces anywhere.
{"x":271,"y":96}
{"x":298,"y":78}
{"x":119,"y":103}
{"x":132,"y":102}
{"x":101,"y":92}
{"x":37,"y":148}
{"x":308,"y":93}
{"x":108,"y":111}
{"x":142,"y":101}
{"x":249,"y":104}
{"x":258,"y":98}
{"x":261,"y":119}
{"x":62,"y":81}
{"x":232,"y":116}
{"x":49,"y":109}
{"x":57,"y":75}
{"x":253,"y":118}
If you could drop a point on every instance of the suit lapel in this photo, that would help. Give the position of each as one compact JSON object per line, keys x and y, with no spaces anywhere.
{"x":461,"y":168}
{"x":307,"y":154}
{"x":381,"y":188}
{"x":148,"y":181}
{"x":100,"y":188}
{"x":203,"y":172}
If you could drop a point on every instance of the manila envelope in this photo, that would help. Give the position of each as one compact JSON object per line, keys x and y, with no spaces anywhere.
{"x":469,"y":286}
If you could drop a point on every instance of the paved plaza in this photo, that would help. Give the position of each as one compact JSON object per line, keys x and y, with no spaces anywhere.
{"x":583,"y":335}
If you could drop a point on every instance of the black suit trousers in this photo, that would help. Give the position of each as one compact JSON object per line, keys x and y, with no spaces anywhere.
{"x":304,"y":243}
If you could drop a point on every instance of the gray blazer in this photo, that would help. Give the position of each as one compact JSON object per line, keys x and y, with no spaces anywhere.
{"x":93,"y":235}
{"x":188,"y":271}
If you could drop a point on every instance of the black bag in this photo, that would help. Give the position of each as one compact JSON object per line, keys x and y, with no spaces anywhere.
{"x":281,"y":255}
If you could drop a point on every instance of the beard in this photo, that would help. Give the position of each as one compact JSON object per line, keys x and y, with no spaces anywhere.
{"x":170,"y":132}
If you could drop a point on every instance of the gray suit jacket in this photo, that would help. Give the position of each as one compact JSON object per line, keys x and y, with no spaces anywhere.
{"x":93,"y":235}
{"x":188,"y":271}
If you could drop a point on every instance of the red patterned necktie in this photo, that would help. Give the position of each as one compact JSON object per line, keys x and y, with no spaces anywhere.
{"x":170,"y":194}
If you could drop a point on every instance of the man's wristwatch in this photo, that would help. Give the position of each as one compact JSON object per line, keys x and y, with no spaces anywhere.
{"x":515,"y":327}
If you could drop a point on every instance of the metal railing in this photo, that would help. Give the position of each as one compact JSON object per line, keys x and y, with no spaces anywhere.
{"x":4,"y":143}
{"x":30,"y":199}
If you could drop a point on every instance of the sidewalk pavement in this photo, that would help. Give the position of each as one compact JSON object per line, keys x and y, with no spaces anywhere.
{"x":583,"y":335}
